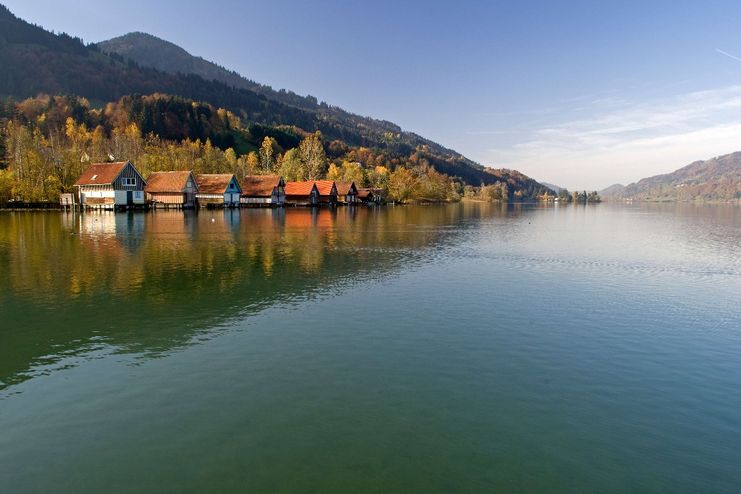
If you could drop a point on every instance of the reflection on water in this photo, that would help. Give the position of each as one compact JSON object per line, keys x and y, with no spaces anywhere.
{"x":468,"y":347}
{"x":147,"y":281}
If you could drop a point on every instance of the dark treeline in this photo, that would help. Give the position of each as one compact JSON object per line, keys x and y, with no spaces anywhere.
{"x":583,"y":197}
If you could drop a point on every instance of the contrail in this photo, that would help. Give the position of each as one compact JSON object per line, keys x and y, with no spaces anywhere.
{"x":728,"y":54}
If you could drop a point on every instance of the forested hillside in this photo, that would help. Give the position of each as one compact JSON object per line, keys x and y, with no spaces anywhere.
{"x":716,"y":179}
{"x":150,"y":51}
{"x":48,"y":141}
{"x":111,"y":97}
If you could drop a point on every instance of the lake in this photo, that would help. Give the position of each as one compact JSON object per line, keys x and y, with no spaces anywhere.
{"x":458,"y":348}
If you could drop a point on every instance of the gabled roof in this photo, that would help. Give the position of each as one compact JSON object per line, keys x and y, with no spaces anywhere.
{"x":167,"y":182}
{"x":367,"y":192}
{"x":213,"y":183}
{"x":326,"y":187}
{"x":260,"y":185}
{"x":299,"y":188}
{"x":101,"y":173}
{"x":346,"y":188}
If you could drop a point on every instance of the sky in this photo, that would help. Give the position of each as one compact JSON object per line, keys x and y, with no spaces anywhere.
{"x":581,"y":94}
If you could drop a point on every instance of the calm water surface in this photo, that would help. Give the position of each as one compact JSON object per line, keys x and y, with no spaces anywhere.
{"x":463,"y":348}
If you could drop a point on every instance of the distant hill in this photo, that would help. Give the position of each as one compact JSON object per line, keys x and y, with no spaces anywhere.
{"x":554,"y":188}
{"x":716,"y":179}
{"x":612,"y":190}
{"x":150,"y":51}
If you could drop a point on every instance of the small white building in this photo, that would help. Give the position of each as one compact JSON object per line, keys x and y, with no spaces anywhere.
{"x":111,"y":185}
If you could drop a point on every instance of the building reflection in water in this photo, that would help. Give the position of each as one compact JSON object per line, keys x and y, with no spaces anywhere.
{"x":149,"y":282}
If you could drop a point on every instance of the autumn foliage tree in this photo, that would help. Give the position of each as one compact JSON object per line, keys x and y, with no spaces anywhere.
{"x":401,"y":185}
{"x":313,"y":157}
{"x":269,"y":153}
{"x":291,"y":166}
{"x":47,"y":141}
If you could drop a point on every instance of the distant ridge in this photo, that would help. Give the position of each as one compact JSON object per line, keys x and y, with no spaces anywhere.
{"x":554,"y":188}
{"x":150,"y":51}
{"x":612,"y":190}
{"x":716,"y":179}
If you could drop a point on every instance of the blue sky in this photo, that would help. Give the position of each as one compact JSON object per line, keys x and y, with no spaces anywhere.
{"x":581,"y":94}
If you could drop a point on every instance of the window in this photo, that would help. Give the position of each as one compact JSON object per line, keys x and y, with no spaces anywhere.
{"x":128,"y":182}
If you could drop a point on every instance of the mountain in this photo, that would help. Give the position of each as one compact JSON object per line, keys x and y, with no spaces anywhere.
{"x":613,"y":190}
{"x":35,"y":61}
{"x":716,"y":179}
{"x":150,"y":51}
{"x":554,"y":188}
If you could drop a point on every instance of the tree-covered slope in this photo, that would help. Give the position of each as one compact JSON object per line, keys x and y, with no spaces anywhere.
{"x":716,"y":179}
{"x":35,"y":61}
{"x":150,"y":51}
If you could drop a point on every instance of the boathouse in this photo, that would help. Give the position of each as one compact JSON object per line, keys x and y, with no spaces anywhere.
{"x":327,"y":192}
{"x":347,"y":192}
{"x":172,"y":189}
{"x":302,"y":193}
{"x":263,"y":190}
{"x":370,"y":196}
{"x":218,"y":189}
{"x":111,"y":185}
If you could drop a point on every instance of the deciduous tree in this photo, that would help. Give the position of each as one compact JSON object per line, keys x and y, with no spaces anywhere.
{"x":313,"y":158}
{"x":268,"y":154}
{"x":401,"y":184}
{"x":291,"y":167}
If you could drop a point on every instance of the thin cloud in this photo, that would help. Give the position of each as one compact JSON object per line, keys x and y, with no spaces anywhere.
{"x":728,"y":54}
{"x":628,"y":141}
{"x":490,"y":132}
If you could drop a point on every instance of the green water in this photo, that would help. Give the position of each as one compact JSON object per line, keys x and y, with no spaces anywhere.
{"x":462,"y":348}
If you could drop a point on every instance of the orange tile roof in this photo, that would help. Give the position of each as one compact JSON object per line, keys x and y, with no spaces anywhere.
{"x":324,"y":187}
{"x":167,"y":181}
{"x":259,"y":185}
{"x":299,"y":188}
{"x":213,"y":183}
{"x":101,"y":173}
{"x":344,"y":188}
